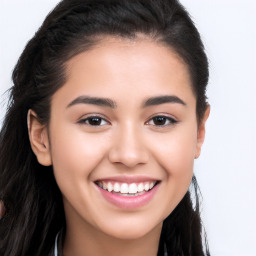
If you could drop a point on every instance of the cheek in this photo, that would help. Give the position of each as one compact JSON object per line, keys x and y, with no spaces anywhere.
{"x":176,"y":153}
{"x":75,"y":155}
{"x":176,"y":157}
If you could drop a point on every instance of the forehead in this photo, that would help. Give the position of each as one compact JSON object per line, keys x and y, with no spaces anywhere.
{"x":121,"y":67}
{"x":141,"y":51}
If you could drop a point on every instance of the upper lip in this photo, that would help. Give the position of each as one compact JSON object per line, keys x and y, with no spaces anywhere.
{"x":128,"y":179}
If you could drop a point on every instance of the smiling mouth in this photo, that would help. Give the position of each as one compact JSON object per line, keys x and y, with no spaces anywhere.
{"x":125,"y":189}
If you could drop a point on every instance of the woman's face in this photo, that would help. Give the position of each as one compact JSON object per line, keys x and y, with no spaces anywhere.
{"x":123,"y":136}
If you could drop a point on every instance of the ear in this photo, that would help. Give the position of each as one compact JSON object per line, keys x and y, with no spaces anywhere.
{"x":39,"y":139}
{"x":201,"y":132}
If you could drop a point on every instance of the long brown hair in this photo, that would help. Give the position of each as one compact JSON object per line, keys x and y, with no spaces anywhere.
{"x":32,"y":198}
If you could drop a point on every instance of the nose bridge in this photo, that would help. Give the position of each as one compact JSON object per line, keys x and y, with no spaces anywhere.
{"x":128,"y":147}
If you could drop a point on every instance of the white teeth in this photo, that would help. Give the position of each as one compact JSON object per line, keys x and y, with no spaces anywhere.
{"x":124,"y":188}
{"x":116,"y":187}
{"x":140,"y":187}
{"x":133,"y":188}
{"x":110,"y":187}
{"x":146,"y":186}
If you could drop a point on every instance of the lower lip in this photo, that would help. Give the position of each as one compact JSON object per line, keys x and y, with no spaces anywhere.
{"x":129,"y":202}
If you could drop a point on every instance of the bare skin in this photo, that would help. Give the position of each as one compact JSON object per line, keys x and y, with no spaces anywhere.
{"x":2,"y":209}
{"x":146,"y":130}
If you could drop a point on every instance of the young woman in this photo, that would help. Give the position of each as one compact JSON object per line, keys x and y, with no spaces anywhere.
{"x":106,"y":116}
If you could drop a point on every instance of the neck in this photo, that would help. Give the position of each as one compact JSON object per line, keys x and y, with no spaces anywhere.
{"x":87,"y":241}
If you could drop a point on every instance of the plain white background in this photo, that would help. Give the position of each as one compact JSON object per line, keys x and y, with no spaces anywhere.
{"x":226,"y":170}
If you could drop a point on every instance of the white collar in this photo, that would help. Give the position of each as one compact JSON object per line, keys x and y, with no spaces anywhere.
{"x":56,"y":245}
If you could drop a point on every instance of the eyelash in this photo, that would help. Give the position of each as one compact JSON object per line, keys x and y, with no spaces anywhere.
{"x":97,"y":119}
{"x":90,"y":118}
{"x":171,"y":121}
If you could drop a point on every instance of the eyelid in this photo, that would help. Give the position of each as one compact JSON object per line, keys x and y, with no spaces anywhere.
{"x":172,"y":120}
{"x":92,"y":115}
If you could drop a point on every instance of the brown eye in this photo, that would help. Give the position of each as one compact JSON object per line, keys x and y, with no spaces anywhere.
{"x":162,"y":121}
{"x":159,"y":120}
{"x":93,"y":121}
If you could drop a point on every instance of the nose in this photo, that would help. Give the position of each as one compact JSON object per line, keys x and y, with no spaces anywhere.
{"x":128,"y":148}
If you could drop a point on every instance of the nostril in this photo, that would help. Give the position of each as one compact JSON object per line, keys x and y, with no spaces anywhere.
{"x":128,"y":157}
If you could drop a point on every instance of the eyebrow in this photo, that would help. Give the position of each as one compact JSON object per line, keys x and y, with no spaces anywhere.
{"x":162,"y":100}
{"x":104,"y":102}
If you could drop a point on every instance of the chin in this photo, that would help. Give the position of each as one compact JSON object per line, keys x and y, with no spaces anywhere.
{"x":131,"y":232}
